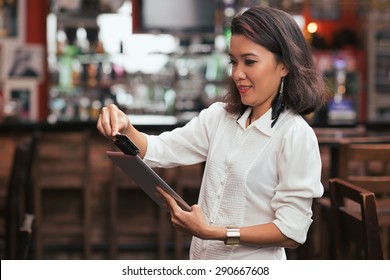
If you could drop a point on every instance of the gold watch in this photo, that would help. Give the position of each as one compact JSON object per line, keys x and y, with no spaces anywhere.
{"x":232,"y":236}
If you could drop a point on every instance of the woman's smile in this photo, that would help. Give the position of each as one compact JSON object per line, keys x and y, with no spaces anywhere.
{"x":243,"y":89}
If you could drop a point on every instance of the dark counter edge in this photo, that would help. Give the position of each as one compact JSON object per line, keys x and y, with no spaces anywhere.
{"x":30,"y":127}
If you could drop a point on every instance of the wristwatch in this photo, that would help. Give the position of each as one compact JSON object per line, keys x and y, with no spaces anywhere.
{"x":232,"y":236}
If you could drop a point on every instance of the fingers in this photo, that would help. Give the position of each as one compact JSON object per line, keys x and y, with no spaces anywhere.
{"x":113,"y":119}
{"x":109,"y":121}
{"x":164,"y":201}
{"x":104,"y":125}
{"x":191,"y":222}
{"x":173,"y":206}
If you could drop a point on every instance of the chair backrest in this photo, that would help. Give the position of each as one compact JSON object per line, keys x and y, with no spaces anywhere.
{"x":19,"y":200}
{"x":62,"y":190}
{"x":354,"y":221}
{"x":366,"y":165}
{"x":63,"y":152}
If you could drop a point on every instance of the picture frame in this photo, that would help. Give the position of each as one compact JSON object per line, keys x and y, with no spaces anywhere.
{"x":12,"y":20}
{"x":23,"y":61}
{"x":20,"y":100}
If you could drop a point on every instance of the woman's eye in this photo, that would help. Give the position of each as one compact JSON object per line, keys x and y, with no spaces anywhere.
{"x":249,"y":62}
{"x":232,"y":62}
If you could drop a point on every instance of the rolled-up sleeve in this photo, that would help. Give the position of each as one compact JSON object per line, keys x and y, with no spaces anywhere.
{"x":299,"y":171}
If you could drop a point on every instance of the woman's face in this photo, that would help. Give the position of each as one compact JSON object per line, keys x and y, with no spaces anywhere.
{"x":256,"y":73}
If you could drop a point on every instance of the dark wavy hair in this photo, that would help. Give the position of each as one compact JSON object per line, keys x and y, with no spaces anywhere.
{"x":304,"y":87}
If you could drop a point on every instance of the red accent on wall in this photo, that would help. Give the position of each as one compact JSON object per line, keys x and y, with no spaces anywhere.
{"x":36,"y":11}
{"x":327,"y":28}
{"x":136,"y":8}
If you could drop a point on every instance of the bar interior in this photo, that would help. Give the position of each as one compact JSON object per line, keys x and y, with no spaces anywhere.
{"x":162,"y":62}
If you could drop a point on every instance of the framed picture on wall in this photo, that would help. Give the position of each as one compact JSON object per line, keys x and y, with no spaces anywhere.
{"x":12,"y":20}
{"x":23,"y":61}
{"x":20,"y":100}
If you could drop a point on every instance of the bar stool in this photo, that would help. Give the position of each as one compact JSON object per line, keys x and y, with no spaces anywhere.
{"x":137,"y":225}
{"x":62,"y":198}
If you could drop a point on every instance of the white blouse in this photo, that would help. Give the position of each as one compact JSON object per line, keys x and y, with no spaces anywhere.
{"x":253,"y":175}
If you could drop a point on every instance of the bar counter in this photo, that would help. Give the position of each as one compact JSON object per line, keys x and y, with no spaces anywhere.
{"x":159,"y":122}
{"x":146,"y":123}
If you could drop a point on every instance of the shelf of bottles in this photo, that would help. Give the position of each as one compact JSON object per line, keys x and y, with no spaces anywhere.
{"x":181,"y":82}
{"x":83,"y":83}
{"x":80,"y":86}
{"x":382,"y":80}
{"x":344,"y":72}
{"x":382,"y":73}
{"x":85,"y":75}
{"x":379,"y":66}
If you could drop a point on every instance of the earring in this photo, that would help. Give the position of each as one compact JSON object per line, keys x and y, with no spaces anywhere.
{"x":281,"y":87}
{"x":277,"y":104}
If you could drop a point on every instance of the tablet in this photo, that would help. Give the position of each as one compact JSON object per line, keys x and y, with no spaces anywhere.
{"x":145,"y":177}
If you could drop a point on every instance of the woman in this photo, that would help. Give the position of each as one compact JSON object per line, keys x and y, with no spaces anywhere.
{"x":263,"y":165}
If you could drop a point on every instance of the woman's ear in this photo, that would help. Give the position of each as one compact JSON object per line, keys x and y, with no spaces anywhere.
{"x":283,"y":70}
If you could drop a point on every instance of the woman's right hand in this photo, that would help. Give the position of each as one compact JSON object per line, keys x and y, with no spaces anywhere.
{"x":112,"y":121}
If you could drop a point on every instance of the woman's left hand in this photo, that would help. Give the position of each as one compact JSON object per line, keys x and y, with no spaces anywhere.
{"x":192,"y":222}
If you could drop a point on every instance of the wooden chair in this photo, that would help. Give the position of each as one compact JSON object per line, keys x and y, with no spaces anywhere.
{"x":137,"y":230}
{"x":62,"y":196}
{"x":354,"y":221}
{"x":343,"y":162}
{"x":19,"y":211}
{"x":368,"y":165}
{"x":135,"y":226}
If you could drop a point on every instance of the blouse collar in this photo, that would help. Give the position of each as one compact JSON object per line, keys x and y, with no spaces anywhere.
{"x":263,"y":123}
